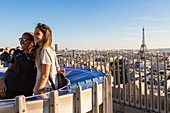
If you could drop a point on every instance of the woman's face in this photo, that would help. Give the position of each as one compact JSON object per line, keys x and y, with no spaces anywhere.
{"x":25,"y":42}
{"x":38,"y":36}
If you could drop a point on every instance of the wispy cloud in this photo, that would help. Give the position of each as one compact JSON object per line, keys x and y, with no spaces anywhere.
{"x":149,"y":18}
{"x":159,"y":30}
{"x":129,"y":28}
{"x":127,"y":38}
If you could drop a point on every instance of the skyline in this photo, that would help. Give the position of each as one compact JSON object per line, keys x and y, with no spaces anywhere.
{"x":89,"y":24}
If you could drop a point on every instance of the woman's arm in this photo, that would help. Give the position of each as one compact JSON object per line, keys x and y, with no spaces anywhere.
{"x":43,"y":78}
{"x":58,"y":68}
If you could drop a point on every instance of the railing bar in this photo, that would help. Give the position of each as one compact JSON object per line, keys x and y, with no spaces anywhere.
{"x":165,"y":85}
{"x":123,"y":73}
{"x":101,"y":63}
{"x":129,"y":97}
{"x":152,"y":83}
{"x":145,"y":96}
{"x":158,"y":84}
{"x":105,"y":64}
{"x":140,"y":91}
{"x":134,"y":83}
{"x":118,"y":77}
{"x":93,"y":61}
{"x":109,"y":62}
{"x":97,"y":59}
{"x":114,"y":76}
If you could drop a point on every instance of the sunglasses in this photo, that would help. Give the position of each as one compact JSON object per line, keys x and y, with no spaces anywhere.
{"x":23,"y":39}
{"x":42,"y":25}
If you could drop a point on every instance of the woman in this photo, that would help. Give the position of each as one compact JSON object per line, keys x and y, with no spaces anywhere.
{"x":20,"y":77}
{"x":46,"y":60}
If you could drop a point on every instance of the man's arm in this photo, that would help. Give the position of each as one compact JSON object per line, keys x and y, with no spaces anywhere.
{"x":6,"y":73}
{"x":2,"y":82}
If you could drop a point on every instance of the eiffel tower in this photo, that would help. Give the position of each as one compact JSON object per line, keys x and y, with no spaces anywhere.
{"x":143,"y":48}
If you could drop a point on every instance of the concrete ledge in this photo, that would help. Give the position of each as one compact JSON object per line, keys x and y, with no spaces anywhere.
{"x":127,"y":109}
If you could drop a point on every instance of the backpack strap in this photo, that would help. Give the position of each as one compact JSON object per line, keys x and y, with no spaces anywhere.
{"x":50,"y":79}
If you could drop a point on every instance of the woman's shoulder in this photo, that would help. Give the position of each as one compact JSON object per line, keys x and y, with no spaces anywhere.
{"x":48,"y":49}
{"x":45,"y":49}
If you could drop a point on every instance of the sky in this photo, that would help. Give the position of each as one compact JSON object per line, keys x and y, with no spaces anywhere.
{"x":89,"y":24}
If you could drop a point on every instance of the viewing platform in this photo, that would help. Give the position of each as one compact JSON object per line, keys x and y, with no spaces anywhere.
{"x":127,"y":87}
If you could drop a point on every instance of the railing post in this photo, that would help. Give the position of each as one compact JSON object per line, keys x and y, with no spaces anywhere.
{"x":93,"y":61}
{"x":95,"y":107}
{"x":105,"y":70}
{"x":110,"y":98}
{"x":152,"y":83}
{"x":20,"y":104}
{"x":78,"y":99}
{"x":165,"y":85}
{"x":158,"y":84}
{"x":54,"y":102}
{"x":101,"y":63}
{"x":129,"y":83}
{"x":105,"y":95}
{"x":140,"y":81}
{"x":134,"y":81}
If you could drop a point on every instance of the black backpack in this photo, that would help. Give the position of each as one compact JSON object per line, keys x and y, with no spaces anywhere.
{"x":5,"y":56}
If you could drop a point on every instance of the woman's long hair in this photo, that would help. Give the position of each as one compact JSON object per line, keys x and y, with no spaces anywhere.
{"x":46,"y":42}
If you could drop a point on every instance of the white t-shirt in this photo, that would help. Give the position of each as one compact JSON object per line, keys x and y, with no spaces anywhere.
{"x":48,"y":56}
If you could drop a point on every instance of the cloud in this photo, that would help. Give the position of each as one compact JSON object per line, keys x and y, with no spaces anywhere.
{"x":129,"y":28}
{"x":149,"y":18}
{"x":160,"y":30}
{"x":127,"y":38}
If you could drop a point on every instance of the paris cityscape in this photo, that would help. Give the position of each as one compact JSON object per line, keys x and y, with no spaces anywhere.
{"x":85,"y":56}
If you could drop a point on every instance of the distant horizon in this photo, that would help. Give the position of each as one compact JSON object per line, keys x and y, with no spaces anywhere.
{"x":101,"y":49}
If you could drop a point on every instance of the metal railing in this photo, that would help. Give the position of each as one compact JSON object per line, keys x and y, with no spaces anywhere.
{"x":140,"y":80}
{"x":138,"y":83}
